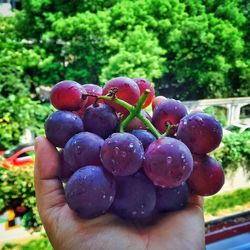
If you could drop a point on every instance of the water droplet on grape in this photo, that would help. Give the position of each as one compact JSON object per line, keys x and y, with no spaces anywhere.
{"x":124,"y":154}
{"x":104,"y":196}
{"x":78,"y":149}
{"x":169,"y":160}
{"x":175,"y":107}
{"x":110,"y":198}
{"x":131,"y":145}
{"x":117,"y":150}
{"x":184,"y":122}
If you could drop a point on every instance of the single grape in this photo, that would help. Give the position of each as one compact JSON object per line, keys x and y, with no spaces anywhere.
{"x":201,"y":132}
{"x":60,"y":126}
{"x":169,"y":111}
{"x":157,"y":100}
{"x":90,"y":191}
{"x":128,"y":91}
{"x":135,"y":197}
{"x":100,"y":119}
{"x":92,"y":89}
{"x":145,"y":137}
{"x":136,"y":123}
{"x":65,"y":171}
{"x":83,"y":149}
{"x":171,"y":199}
{"x":122,"y":154}
{"x":144,"y":84}
{"x":168,"y":162}
{"x":67,"y":95}
{"x":207,"y":177}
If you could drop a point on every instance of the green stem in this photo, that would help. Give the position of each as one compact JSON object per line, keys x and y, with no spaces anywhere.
{"x":136,"y":110}
{"x":118,"y":101}
{"x":150,"y":126}
{"x":169,"y":127}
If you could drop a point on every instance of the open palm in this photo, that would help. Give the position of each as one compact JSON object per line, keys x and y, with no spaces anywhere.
{"x":178,"y":230}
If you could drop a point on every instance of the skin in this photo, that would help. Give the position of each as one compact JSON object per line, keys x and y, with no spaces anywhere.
{"x":182,"y":230}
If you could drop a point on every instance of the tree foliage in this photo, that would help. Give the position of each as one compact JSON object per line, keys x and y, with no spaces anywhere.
{"x":189,"y":48}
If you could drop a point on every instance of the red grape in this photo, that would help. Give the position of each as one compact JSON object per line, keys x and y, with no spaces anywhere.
{"x":170,"y":111}
{"x":128,"y":91}
{"x":67,"y":95}
{"x":92,"y":89}
{"x":122,"y":154}
{"x":90,"y":191}
{"x":157,"y":100}
{"x":201,"y":132}
{"x":168,"y":162}
{"x":144,"y":84}
{"x":207,"y":177}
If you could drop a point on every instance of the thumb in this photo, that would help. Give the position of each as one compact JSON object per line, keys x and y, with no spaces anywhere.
{"x":49,"y":190}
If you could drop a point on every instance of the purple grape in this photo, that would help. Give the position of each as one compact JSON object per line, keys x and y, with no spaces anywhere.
{"x":135,"y":197}
{"x":201,"y":132}
{"x":122,"y":154}
{"x":170,"y":111}
{"x":90,"y":191}
{"x":101,"y":120}
{"x":60,"y":126}
{"x":145,"y":137}
{"x":65,"y":171}
{"x":171,"y":199}
{"x":83,"y":149}
{"x":168,"y":162}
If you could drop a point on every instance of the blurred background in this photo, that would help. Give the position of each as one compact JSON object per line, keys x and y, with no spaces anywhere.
{"x":193,"y":50}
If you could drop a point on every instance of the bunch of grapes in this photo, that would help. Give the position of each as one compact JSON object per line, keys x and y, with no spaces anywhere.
{"x":116,"y":158}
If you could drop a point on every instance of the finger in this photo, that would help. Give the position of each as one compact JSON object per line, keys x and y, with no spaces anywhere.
{"x":49,"y":190}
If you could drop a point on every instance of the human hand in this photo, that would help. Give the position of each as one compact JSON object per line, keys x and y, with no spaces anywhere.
{"x":182,"y":230}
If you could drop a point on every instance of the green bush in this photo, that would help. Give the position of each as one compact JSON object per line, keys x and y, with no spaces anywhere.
{"x":229,"y":200}
{"x":234,"y":152}
{"x":17,"y":188}
{"x":18,"y":114}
